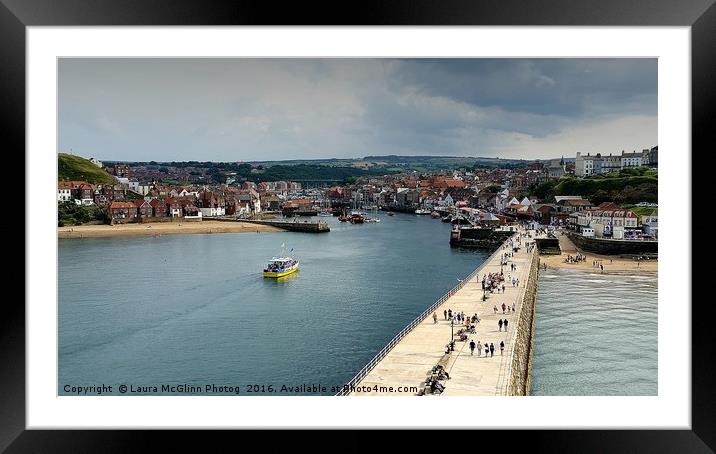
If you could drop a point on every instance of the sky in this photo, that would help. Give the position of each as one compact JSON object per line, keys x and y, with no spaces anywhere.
{"x":237,"y":109}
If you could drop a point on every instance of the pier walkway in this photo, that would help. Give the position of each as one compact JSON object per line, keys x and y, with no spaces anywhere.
{"x":411,"y":359}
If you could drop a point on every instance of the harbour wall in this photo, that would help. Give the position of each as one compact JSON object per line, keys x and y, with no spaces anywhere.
{"x":293,"y":226}
{"x":547,"y":246}
{"x":479,"y":238}
{"x":520,"y":376}
{"x":613,"y":247}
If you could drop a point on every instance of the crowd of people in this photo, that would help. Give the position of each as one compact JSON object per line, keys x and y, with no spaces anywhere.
{"x":493,"y":282}
{"x":575,"y":258}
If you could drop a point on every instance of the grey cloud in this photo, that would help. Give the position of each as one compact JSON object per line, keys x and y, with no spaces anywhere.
{"x":244,"y":109}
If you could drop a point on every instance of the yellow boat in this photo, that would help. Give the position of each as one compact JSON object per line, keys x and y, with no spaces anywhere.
{"x":280,"y":266}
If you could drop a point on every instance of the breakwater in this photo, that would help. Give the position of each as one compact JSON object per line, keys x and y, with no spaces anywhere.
{"x":293,"y":226}
{"x":614,"y":247}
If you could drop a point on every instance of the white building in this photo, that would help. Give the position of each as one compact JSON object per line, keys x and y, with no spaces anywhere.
{"x":583,"y":165}
{"x":211,"y":212}
{"x":64,"y":192}
{"x":631,"y":159}
{"x":610,"y":163}
{"x":586,"y":165}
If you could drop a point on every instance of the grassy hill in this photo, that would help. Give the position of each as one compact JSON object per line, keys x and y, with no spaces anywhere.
{"x":628,"y":186}
{"x":71,"y":167}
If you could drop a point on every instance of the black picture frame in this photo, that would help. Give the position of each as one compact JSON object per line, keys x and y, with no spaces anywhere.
{"x":16,"y":15}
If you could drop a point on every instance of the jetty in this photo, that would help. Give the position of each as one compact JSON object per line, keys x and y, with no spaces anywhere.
{"x":290,"y":225}
{"x":405,"y":363}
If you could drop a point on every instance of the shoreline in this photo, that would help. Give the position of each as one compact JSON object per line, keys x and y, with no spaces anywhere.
{"x":161,"y":228}
{"x":612,"y":264}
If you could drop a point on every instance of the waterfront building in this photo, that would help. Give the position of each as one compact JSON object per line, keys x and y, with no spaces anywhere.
{"x":64,"y":191}
{"x":121,"y":212}
{"x":159,"y":208}
{"x":616,"y":223}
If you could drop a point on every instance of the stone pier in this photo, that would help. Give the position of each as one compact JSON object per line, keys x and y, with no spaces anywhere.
{"x":410,"y":361}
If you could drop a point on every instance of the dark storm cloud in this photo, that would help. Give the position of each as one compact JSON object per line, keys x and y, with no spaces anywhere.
{"x":244,"y":109}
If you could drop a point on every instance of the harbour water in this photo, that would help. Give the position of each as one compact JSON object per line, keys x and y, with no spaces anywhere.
{"x":194,"y":310}
{"x":596,"y":334}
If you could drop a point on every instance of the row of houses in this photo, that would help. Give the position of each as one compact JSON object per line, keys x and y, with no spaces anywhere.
{"x":176,"y":207}
{"x":586,"y":165}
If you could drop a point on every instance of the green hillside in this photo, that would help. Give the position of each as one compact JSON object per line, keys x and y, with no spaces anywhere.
{"x":71,"y":167}
{"x":628,"y":186}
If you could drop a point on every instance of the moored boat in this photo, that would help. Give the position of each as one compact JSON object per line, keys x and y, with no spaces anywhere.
{"x":422,"y":211}
{"x":435,"y":215}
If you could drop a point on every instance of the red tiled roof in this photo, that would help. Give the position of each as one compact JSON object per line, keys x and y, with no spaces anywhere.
{"x":121,"y":205}
{"x":455,"y":183}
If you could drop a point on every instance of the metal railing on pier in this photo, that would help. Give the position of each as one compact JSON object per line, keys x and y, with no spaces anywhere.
{"x":352,"y":383}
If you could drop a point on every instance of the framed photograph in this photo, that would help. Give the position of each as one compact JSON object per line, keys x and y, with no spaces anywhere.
{"x":415,"y":217}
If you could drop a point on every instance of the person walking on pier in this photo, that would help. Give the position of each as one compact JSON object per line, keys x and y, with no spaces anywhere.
{"x":499,"y":323}
{"x":479,"y":348}
{"x":435,"y":318}
{"x":445,"y":314}
{"x":505,"y":323}
{"x":472,"y":347}
{"x":495,"y":308}
{"x":503,"y":308}
{"x":502,"y":347}
{"x":513,"y":307}
{"x":449,"y":314}
{"x":492,"y":349}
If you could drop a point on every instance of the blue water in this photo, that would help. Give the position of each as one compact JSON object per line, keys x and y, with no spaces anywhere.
{"x":195,"y":309}
{"x":596,"y":334}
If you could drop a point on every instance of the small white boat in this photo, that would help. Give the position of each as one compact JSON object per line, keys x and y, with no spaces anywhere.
{"x":422,"y":211}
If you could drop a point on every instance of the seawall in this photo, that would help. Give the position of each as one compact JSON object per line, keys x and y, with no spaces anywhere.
{"x":547,"y":246}
{"x":521,"y":367}
{"x":614,"y":247}
{"x":479,"y":238}
{"x":293,"y":226}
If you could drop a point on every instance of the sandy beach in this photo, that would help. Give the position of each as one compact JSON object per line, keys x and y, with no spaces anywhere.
{"x":612,"y":263}
{"x":161,"y":228}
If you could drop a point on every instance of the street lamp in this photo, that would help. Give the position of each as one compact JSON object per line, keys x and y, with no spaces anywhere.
{"x":452,"y":334}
